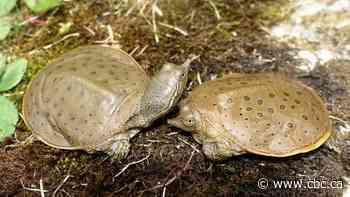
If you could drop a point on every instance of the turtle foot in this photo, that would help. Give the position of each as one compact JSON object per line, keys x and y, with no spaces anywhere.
{"x":120,"y":149}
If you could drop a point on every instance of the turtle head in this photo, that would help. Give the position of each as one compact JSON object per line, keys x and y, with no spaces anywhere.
{"x":187,"y":119}
{"x":162,"y":93}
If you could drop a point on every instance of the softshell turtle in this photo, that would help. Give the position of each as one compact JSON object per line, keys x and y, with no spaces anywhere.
{"x":265,"y":114}
{"x":96,"y":98}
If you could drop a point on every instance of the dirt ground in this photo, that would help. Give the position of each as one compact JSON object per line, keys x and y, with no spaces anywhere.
{"x":166,"y":161}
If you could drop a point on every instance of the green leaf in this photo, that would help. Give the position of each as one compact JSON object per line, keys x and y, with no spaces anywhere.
{"x":6,"y":6}
{"x":8,"y":117}
{"x":13,"y":74}
{"x":2,"y":64}
{"x":5,"y":27}
{"x":41,"y":6}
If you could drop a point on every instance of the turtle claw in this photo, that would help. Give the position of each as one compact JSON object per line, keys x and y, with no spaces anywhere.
{"x":120,"y":149}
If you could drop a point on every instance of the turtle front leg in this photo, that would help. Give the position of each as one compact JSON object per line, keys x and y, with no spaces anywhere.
{"x":121,"y":144}
{"x":221,"y":150}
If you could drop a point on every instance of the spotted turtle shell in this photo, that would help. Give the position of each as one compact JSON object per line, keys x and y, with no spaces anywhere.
{"x":82,"y":98}
{"x":266,"y":114}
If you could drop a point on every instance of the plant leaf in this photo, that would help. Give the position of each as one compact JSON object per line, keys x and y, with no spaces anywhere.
{"x":13,"y":74}
{"x":8,"y":117}
{"x":2,"y":64}
{"x":41,"y":6}
{"x":5,"y":27}
{"x":6,"y":6}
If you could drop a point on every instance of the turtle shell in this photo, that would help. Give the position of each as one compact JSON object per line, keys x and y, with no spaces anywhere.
{"x":265,"y":114}
{"x":83,"y":98}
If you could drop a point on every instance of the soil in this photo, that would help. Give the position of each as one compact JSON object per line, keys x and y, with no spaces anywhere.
{"x":166,"y":161}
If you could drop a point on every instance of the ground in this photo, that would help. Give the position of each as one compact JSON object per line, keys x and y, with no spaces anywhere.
{"x":165,"y":161}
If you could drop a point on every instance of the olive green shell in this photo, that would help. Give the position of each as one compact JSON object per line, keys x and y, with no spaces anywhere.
{"x":266,"y":114}
{"x":76,"y":101}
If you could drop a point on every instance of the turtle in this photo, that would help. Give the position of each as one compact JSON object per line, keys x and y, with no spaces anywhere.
{"x":263,"y":113}
{"x":96,"y":98}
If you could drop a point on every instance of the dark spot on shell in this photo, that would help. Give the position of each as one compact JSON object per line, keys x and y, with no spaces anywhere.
{"x":221,"y":89}
{"x":229,"y":100}
{"x":304,"y":117}
{"x":299,"y":139}
{"x":306,"y":131}
{"x":82,"y":106}
{"x":317,"y":118}
{"x":214,"y":104}
{"x":101,"y":66}
{"x":297,"y":101}
{"x":111,"y":72}
{"x":249,"y":109}
{"x":282,"y":107}
{"x":299,"y":93}
{"x":272,"y":95}
{"x":286,"y":93}
{"x":90,"y":115}
{"x":279,"y":143}
{"x":292,"y":106}
{"x":241,"y":114}
{"x":246,"y":98}
{"x":259,"y":101}
{"x":243,"y":83}
{"x":285,"y":99}
{"x":74,"y":69}
{"x":268,"y":125}
{"x":286,"y":135}
{"x":290,"y":125}
{"x":85,"y":121}
{"x":62,"y":99}
{"x":55,"y":105}
{"x":37,"y":112}
{"x":272,"y":134}
{"x":69,"y":88}
{"x":93,"y":73}
{"x":260,"y":115}
{"x":246,"y":118}
{"x":41,"y":123}
{"x":59,"y":114}
{"x":270,"y":110}
{"x":72,"y":118}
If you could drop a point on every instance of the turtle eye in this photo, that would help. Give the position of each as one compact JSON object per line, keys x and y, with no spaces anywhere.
{"x":189,"y":122}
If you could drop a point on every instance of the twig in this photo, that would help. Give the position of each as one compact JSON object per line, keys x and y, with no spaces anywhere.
{"x":62,"y":39}
{"x":130,"y":164}
{"x":176,"y":176}
{"x":41,"y":188}
{"x":154,"y":24}
{"x":109,"y":39}
{"x":340,"y":120}
{"x":199,"y":79}
{"x":217,"y":13}
{"x":171,"y":180}
{"x":192,"y":146}
{"x":31,"y":189}
{"x":13,"y":94}
{"x":60,"y":185}
{"x":181,"y":31}
{"x":142,"y":50}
